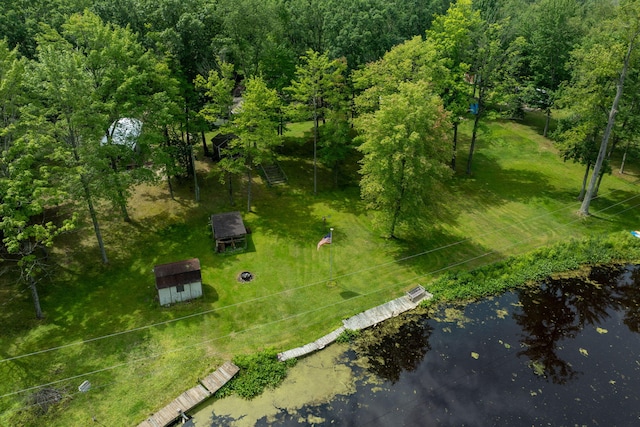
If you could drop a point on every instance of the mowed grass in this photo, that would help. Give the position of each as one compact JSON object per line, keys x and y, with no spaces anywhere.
{"x":104,"y":324}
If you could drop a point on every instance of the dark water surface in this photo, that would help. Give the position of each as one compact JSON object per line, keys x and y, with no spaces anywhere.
{"x":565,"y":353}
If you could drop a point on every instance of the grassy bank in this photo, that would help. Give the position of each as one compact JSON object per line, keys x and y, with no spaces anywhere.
{"x":104,"y":325}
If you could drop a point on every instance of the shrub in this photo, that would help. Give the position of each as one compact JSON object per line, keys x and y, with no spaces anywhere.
{"x":348,"y":335}
{"x":257,"y":372}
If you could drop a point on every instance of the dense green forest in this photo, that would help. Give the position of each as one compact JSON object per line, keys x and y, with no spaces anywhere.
{"x":100,"y":96}
{"x":72,"y":68}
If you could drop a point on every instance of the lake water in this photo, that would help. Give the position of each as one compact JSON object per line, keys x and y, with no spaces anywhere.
{"x":565,"y":353}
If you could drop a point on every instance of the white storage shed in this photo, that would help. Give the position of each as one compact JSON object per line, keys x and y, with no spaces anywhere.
{"x":178,"y":281}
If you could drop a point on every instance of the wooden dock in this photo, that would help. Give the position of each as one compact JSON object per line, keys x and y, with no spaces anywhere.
{"x":192,"y":397}
{"x":359,"y":321}
{"x":220,"y":377}
{"x":311,"y":347}
{"x":380,"y":313}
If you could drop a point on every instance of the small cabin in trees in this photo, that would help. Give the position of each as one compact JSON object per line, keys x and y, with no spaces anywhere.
{"x":178,"y":281}
{"x":220,"y":143}
{"x":229,"y":231}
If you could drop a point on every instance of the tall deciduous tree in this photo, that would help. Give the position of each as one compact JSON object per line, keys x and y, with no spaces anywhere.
{"x":318,"y":82}
{"x":218,"y":90}
{"x":27,"y":191}
{"x":405,"y":152}
{"x":119,"y":78}
{"x":11,"y":75}
{"x":85,"y":80}
{"x":62,"y":88}
{"x":256,"y":125}
{"x":453,"y":37}
{"x":496,"y":58}
{"x":249,"y":27}
{"x":625,"y":27}
{"x":21,"y":20}
{"x":28,"y":177}
{"x":410,"y":61}
{"x":576,"y":138}
{"x":361,"y":31}
{"x":552,"y":31}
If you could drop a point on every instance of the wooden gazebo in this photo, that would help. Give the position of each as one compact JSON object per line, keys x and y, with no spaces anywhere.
{"x":229,"y":231}
{"x":221,"y":142}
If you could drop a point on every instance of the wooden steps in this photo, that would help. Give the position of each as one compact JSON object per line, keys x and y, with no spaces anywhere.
{"x":273,"y":173}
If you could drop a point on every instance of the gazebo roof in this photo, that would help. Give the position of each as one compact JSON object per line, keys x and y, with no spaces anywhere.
{"x":227,"y":225}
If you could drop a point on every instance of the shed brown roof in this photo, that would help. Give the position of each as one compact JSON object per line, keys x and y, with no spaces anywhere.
{"x":177,"y":273}
{"x":227,"y":225}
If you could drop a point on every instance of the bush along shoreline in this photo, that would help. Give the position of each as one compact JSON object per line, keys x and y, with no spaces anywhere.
{"x":535,"y":266}
{"x":262,"y":370}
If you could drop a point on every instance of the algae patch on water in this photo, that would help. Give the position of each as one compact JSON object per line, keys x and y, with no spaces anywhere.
{"x":315,"y":379}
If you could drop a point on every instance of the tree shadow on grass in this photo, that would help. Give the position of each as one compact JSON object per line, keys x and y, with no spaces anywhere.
{"x":491,"y":184}
{"x":535,"y":120}
{"x":620,"y":207}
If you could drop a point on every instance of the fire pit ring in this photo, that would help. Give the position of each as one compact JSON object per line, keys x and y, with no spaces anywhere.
{"x":245,"y":277}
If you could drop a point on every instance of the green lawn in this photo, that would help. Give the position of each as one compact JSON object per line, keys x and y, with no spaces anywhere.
{"x":104,"y":325}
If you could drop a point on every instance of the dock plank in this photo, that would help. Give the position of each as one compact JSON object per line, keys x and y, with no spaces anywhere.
{"x":191,"y":397}
{"x":358,"y":322}
{"x":220,"y":377}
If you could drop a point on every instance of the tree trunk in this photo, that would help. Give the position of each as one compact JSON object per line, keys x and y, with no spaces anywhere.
{"x":94,"y":219}
{"x":595,"y":193}
{"x":170,"y":187}
{"x":455,"y":146}
{"x":473,"y":140}
{"x":229,"y":176}
{"x":195,"y":175}
{"x":398,"y":207}
{"x":167,"y":142}
{"x":205,"y":147}
{"x":624,"y":158}
{"x":584,"y":182}
{"x":546,"y":123}
{"x":248,"y":190}
{"x":616,"y":138}
{"x":87,"y":197}
{"x":121,"y":201}
{"x":584,"y":208}
{"x":36,"y":297}
{"x":315,"y":145}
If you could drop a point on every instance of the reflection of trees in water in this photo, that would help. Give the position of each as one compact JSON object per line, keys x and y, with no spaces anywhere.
{"x":629,"y":289}
{"x":398,"y":344}
{"x":559,"y":309}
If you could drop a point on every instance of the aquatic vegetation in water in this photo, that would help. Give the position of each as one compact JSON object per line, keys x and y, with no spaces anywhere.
{"x":502,"y":314}
{"x":537,"y":367}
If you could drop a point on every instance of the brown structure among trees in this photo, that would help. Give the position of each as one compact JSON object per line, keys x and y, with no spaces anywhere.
{"x":229,"y":231}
